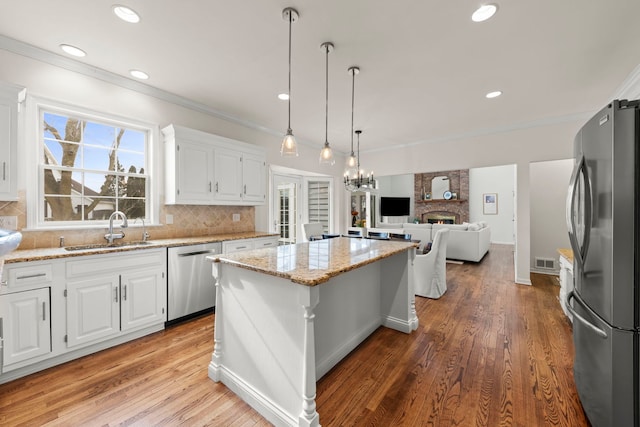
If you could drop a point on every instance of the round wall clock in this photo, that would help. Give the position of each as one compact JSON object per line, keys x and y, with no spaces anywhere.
{"x":447,"y":195}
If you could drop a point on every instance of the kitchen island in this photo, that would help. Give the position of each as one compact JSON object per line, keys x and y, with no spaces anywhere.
{"x":285,"y":316}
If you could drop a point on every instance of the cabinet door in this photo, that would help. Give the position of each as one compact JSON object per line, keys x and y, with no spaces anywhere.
{"x":254,"y":178}
{"x":26,"y":325}
{"x":6,"y":148}
{"x":143,"y":298}
{"x":93,"y":309}
{"x":228,"y":174}
{"x":193,"y":175}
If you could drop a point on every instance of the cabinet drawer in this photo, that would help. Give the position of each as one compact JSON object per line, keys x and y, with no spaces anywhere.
{"x":106,"y":263}
{"x":29,"y":275}
{"x":237,"y":245}
{"x":266,"y":243}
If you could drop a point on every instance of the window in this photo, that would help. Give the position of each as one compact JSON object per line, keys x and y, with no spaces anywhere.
{"x":318,"y":202}
{"x":90,"y":167}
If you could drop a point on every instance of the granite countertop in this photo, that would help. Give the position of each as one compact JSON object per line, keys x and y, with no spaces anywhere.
{"x":315,"y":262}
{"x":52,"y":253}
{"x":566,"y":253}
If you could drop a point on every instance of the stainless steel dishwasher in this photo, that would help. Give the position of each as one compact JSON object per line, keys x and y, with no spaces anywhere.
{"x":190,"y":285}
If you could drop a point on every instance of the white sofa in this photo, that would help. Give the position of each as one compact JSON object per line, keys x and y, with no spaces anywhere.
{"x":467,"y":242}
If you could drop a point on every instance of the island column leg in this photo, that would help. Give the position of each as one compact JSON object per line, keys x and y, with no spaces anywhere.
{"x":216,"y":356}
{"x":309,"y":416}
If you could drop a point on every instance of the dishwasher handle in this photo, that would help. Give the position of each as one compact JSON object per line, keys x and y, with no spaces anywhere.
{"x":208,"y":251}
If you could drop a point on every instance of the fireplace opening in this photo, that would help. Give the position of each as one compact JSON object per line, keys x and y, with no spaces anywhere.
{"x":440,"y":218}
{"x":440,"y":221}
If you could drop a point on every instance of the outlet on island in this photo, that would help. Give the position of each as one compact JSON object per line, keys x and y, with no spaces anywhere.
{"x":236,"y":217}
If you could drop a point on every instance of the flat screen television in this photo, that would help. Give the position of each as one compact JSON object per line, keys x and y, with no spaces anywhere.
{"x":394,"y":206}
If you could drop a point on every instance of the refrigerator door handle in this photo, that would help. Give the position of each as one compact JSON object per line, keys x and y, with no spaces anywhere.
{"x":579,"y":248}
{"x":602,"y":334}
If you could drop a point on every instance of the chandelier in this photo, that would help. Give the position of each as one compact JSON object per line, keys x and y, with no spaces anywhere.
{"x":355,"y":180}
{"x":354,"y":176}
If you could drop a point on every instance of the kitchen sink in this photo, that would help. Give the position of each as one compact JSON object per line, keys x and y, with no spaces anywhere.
{"x":106,"y":246}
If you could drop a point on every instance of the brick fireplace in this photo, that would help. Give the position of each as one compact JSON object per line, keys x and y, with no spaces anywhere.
{"x":454,"y":211}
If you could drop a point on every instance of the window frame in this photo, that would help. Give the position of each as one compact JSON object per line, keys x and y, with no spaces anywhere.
{"x":34,"y":146}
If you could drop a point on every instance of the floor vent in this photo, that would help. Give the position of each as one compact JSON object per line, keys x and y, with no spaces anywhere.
{"x":545,"y":263}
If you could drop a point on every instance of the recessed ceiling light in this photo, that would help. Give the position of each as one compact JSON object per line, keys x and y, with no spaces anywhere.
{"x":72,"y":50}
{"x":126,"y":13}
{"x":484,"y":12}
{"x":139,"y":74}
{"x":494,"y":94}
{"x":283,"y":96}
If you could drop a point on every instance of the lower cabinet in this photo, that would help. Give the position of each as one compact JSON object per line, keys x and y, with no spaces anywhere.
{"x":26,"y":325}
{"x":109,"y":295}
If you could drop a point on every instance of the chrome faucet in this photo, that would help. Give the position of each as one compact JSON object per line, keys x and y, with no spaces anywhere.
{"x":145,"y":233}
{"x":111,"y":235}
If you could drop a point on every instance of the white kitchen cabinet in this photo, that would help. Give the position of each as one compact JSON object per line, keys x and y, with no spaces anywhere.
{"x":143,"y":298}
{"x":231,"y":246}
{"x":207,"y":169}
{"x":9,"y":103}
{"x":93,"y":309}
{"x":194,"y":179}
{"x":111,"y":294}
{"x":254,"y":170}
{"x":228,"y":174}
{"x":26,"y":325}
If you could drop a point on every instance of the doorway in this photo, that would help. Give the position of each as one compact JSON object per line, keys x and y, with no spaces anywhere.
{"x":287,"y":206}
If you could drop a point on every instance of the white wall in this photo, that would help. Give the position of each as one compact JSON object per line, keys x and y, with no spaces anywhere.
{"x":548,"y":194}
{"x":500,"y":180}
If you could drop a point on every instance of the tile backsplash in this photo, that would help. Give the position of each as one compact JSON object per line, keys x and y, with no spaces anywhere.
{"x":188,"y":221}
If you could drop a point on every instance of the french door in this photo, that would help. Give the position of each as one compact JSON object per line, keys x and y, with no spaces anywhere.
{"x":287,"y":207}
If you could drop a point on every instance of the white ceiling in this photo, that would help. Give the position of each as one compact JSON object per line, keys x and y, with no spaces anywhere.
{"x":425,"y":66}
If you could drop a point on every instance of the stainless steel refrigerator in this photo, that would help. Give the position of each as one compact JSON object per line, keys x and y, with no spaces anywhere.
{"x":602,"y":217}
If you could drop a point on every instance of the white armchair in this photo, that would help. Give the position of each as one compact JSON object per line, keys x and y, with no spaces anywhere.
{"x":430,"y":270}
{"x":313,"y":231}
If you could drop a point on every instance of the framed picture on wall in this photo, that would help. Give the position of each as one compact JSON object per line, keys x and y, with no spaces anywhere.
{"x":490,"y":203}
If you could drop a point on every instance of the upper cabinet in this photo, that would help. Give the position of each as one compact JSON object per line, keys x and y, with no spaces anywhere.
{"x":9,"y":102}
{"x":207,"y":169}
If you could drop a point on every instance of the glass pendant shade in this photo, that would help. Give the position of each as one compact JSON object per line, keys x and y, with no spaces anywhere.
{"x":326,"y":155}
{"x":289,"y":146}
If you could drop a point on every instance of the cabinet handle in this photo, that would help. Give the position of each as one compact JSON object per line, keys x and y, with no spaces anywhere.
{"x":209,"y":186}
{"x":31,"y":276}
{"x":241,"y":247}
{"x":44,"y":311}
{"x":216,"y":187}
{"x":4,"y":171}
{"x":124,"y":293}
{"x":116,"y":290}
{"x":245,"y":189}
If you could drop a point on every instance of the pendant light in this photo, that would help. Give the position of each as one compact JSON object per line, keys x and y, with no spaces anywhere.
{"x":351,"y":167}
{"x":326,"y":154}
{"x":289,"y":146}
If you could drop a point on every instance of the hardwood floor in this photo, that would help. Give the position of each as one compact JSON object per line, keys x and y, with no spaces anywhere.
{"x":488,"y":353}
